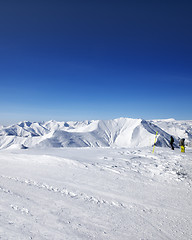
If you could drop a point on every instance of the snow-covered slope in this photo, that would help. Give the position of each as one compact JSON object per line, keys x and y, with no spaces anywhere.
{"x":24,"y":129}
{"x":121,"y":132}
{"x":95,"y":194}
{"x":179,"y":129}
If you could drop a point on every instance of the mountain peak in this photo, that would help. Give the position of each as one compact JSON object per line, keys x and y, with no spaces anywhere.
{"x":119,"y":132}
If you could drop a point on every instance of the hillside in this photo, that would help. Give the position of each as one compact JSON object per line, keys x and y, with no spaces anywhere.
{"x":121,"y":132}
{"x":95,"y":194}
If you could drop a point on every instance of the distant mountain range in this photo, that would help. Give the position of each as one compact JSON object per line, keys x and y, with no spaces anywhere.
{"x":121,"y":132}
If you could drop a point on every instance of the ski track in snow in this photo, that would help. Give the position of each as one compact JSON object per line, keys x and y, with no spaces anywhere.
{"x":63,"y":192}
{"x":55,"y":206}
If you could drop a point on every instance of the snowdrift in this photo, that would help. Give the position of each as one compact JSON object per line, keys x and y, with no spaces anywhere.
{"x":121,"y":132}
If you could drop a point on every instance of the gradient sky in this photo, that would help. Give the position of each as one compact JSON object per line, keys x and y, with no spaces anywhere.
{"x":77,"y":60}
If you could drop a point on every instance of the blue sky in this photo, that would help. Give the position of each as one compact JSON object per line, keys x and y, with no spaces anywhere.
{"x":77,"y":60}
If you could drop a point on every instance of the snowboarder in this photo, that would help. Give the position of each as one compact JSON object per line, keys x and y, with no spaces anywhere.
{"x":171,"y":143}
{"x":182,"y":144}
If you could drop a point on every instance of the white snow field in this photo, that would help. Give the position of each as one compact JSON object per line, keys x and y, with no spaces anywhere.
{"x":96,"y":193}
{"x":95,"y":180}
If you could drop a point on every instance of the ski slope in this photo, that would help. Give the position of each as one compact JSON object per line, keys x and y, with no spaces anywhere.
{"x":95,"y":193}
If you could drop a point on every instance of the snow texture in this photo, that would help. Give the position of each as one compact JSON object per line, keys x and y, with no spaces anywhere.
{"x":96,"y":193}
{"x":121,"y":132}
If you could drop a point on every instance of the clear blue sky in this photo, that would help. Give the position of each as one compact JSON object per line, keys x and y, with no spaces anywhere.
{"x":77,"y":60}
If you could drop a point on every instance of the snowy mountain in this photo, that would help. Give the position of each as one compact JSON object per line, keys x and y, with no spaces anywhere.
{"x":121,"y":132}
{"x":179,"y":129}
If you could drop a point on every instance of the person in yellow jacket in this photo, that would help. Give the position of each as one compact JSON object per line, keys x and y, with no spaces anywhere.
{"x":182,"y":144}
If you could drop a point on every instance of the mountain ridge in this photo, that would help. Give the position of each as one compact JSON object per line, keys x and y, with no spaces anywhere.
{"x":119,"y":132}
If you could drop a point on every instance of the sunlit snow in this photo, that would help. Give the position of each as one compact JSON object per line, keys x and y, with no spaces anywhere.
{"x":118,"y":191}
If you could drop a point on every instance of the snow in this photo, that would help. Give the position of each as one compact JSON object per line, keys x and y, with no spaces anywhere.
{"x":121,"y":132}
{"x":96,"y":193}
{"x":179,"y":129}
{"x":95,"y":180}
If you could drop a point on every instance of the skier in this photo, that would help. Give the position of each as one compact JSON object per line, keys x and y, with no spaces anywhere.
{"x":182,"y":144}
{"x":171,"y":143}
